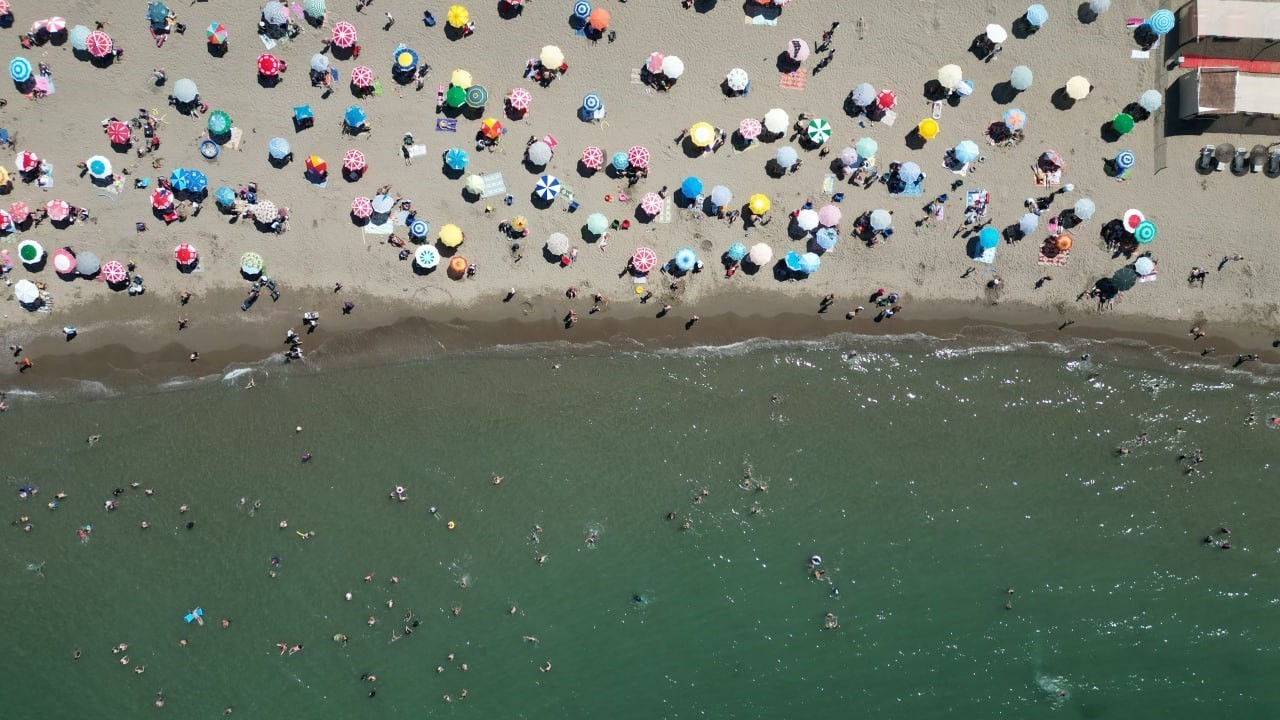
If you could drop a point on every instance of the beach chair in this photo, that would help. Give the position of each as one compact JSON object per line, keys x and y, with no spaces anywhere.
{"x":551,"y":141}
{"x":303,"y":118}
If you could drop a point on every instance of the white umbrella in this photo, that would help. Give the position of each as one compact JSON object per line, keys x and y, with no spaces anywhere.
{"x":996,"y":34}
{"x":1099,"y":6}
{"x":26,"y":292}
{"x":786,"y":156}
{"x":721,"y":195}
{"x":383,"y":203}
{"x":881,"y":219}
{"x":1078,"y":88}
{"x":1144,"y":266}
{"x":807,"y":220}
{"x":760,"y":254}
{"x":672,"y":66}
{"x":475,"y":184}
{"x":320,"y":63}
{"x":776,"y":120}
{"x":737,"y":79}
{"x":1150,"y":100}
{"x":551,"y":56}
{"x":539,"y":153}
{"x":1021,"y":77}
{"x":1028,"y":223}
{"x":185,"y":90}
{"x":949,"y":76}
{"x":558,"y":244}
{"x":1084,"y":208}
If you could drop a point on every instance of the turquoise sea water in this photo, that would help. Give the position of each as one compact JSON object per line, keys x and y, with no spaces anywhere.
{"x":929,"y":481}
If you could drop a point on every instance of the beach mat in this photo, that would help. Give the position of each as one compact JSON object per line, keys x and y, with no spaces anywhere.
{"x":417,"y":151}
{"x":1058,"y":259}
{"x":797,"y":80}
{"x":987,"y":256}
{"x":385,"y":228}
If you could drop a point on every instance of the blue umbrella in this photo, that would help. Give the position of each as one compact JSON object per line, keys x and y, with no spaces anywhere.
{"x":909,"y":172}
{"x":864,"y":94}
{"x":225,"y":196}
{"x":419,"y":229}
{"x":591,"y":102}
{"x":826,"y":238}
{"x":355,"y":116}
{"x":178,"y":179}
{"x":1162,"y":21}
{"x":278,"y":148}
{"x":457,"y":158}
{"x":1037,"y":15}
{"x":404,"y":60}
{"x":737,"y":251}
{"x":196,"y":181}
{"x":685,"y":259}
{"x":966,"y":151}
{"x":691,"y":187}
{"x":620,"y":161}
{"x":809,"y":263}
{"x":792,"y":260}
{"x":99,"y":167}
{"x":20,"y":69}
{"x":1124,"y":160}
{"x":988,"y":238}
{"x":547,"y":188}
{"x":581,"y":9}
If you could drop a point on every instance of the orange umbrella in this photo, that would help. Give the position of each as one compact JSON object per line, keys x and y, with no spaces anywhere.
{"x":1064,"y":242}
{"x":491,"y":128}
{"x":599,"y":19}
{"x":458,"y":266}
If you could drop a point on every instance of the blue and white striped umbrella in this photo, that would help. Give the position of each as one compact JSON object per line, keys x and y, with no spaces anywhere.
{"x":20,"y":69}
{"x":591,"y":102}
{"x":548,"y":187}
{"x":419,"y":229}
{"x":1037,"y":15}
{"x":581,"y":9}
{"x":1162,"y":21}
{"x":457,"y":158}
{"x":737,"y":251}
{"x":1125,"y":160}
{"x":826,"y":237}
{"x":178,"y":179}
{"x":685,"y":259}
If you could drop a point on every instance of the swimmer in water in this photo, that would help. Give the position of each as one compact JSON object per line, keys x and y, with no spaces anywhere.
{"x":546,"y":667}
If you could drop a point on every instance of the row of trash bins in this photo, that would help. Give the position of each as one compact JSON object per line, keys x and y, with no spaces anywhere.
{"x":1216,"y":158}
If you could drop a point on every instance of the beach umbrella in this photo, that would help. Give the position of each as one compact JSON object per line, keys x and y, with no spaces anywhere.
{"x":652,"y":203}
{"x":225,"y":196}
{"x":1021,"y":77}
{"x":759,"y":204}
{"x":750,"y":129}
{"x":477,"y":96}
{"x":965,"y":88}
{"x":826,"y":238}
{"x":721,"y":196}
{"x":685,"y":259}
{"x":591,"y":103}
{"x":216,"y":33}
{"x":558,"y":244}
{"x":863,"y":94}
{"x":702,"y":134}
{"x":458,"y":266}
{"x":6,"y":221}
{"x":275,"y":13}
{"x":520,"y":99}
{"x":1150,"y":100}
{"x":251,"y":263}
{"x":354,"y":116}
{"x":672,"y":66}
{"x":547,"y":188}
{"x":314,"y":8}
{"x":880,"y":219}
{"x":996,"y":34}
{"x":1124,"y":278}
{"x":1027,"y":223}
{"x":26,"y":292}
{"x":736,"y":252}
{"x":760,"y":254}
{"x":829,"y":215}
{"x":1124,"y":160}
{"x":30,"y":252}
{"x":620,"y":161}
{"x":785,"y":157}
{"x":539,"y":153}
{"x":797,"y":50}
{"x":809,"y":263}
{"x":427,"y":257}
{"x":64,"y":263}
{"x":818,"y":130}
{"x":866,"y":148}
{"x":316,"y":165}
{"x":949,"y":76}
{"x":1122,"y":123}
{"x":161,"y":199}
{"x":455,"y":96}
{"x":98,"y":44}
{"x":1015,"y":119}
{"x":20,"y":69}
{"x":382,"y":204}
{"x":807,"y":220}
{"x":361,"y":76}
{"x":599,"y":19}
{"x":320,"y":63}
{"x":1132,"y":219}
{"x":265,"y":212}
{"x":653,"y":63}
{"x":792,"y":260}
{"x":581,"y":9}
{"x":119,"y":133}
{"x":55,"y":25}
{"x":1037,"y":15}
{"x":988,"y":238}
{"x":28,"y":161}
{"x":457,"y":159}
{"x":76,"y":37}
{"x":406,"y":60}
{"x":88,"y":264}
{"x":776,"y":120}
{"x":278,"y":148}
{"x":928,"y":128}
{"x":458,"y":17}
{"x":1099,"y":6}
{"x":114,"y":272}
{"x":451,"y":236}
{"x":353,"y":161}
{"x":1161,"y":21}
{"x":1145,"y":232}
{"x":157,"y":12}
{"x":966,"y":151}
{"x":1144,"y":266}
{"x":268,"y":65}
{"x":1084,"y":208}
{"x":638,"y":156}
{"x":551,"y":56}
{"x":419,"y":228}
{"x":185,"y":91}
{"x":219,"y":123}
{"x":909,"y":172}
{"x":195,"y":181}
{"x":362,"y":207}
{"x":593,"y":158}
{"x":19,"y":211}
{"x":343,"y":35}
{"x":519,"y":223}
{"x":184,"y":254}
{"x":691,"y":187}
{"x":737,"y":80}
{"x":461,"y":78}
{"x":1078,"y":88}
{"x":887,"y":99}
{"x":491,"y":128}
{"x":597,"y":223}
{"x":99,"y":167}
{"x":644,"y":260}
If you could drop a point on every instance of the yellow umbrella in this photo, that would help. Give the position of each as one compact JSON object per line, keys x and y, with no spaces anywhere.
{"x":702,"y":134}
{"x":458,"y":16}
{"x":928,"y":128}
{"x":758,"y":204}
{"x":518,"y":223}
{"x":552,"y":56}
{"x":461,"y":78}
{"x":475,"y":184}
{"x":4,"y":176}
{"x":451,"y":235}
{"x":1078,"y":88}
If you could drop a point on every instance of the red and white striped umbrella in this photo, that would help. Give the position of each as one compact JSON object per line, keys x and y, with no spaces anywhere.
{"x":114,"y":271}
{"x":887,"y":99}
{"x":344,"y":34}
{"x":644,"y":259}
{"x":4,"y":7}
{"x":56,"y":24}
{"x":268,"y":65}
{"x":185,"y":254}
{"x":58,"y":210}
{"x":520,"y":98}
{"x":750,"y":129}
{"x":361,"y":76}
{"x":362,"y":207}
{"x":5,"y":219}
{"x":353,"y":160}
{"x":593,"y":157}
{"x":119,"y":133}
{"x":161,"y":199}
{"x":638,"y":156}
{"x":28,"y":161}
{"x":98,"y":44}
{"x":19,"y":211}
{"x":651,"y":203}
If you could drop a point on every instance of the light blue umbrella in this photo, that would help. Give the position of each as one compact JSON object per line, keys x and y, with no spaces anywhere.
{"x":864,"y":94}
{"x":1150,"y":100}
{"x":721,"y":195}
{"x":826,"y":238}
{"x":866,"y":148}
{"x":185,"y":90}
{"x":620,"y":161}
{"x":547,"y":187}
{"x":685,"y":259}
{"x":355,"y":116}
{"x":1037,"y":15}
{"x":457,"y":159}
{"x":909,"y":173}
{"x":966,"y":151}
{"x":737,"y":251}
{"x":792,"y":261}
{"x":691,"y":187}
{"x":1021,"y":77}
{"x":591,"y":102}
{"x":196,"y":181}
{"x":809,"y":263}
{"x":20,"y":69}
{"x":427,"y":257}
{"x":1029,"y":223}
{"x":1162,"y":21}
{"x":988,"y":238}
{"x":76,"y":36}
{"x":581,"y":9}
{"x":225,"y":196}
{"x":419,"y":228}
{"x":1084,"y":208}
{"x":99,"y":167}
{"x":786,"y":156}
{"x":157,"y":12}
{"x":278,"y":148}
{"x":1124,"y":160}
{"x":178,"y":179}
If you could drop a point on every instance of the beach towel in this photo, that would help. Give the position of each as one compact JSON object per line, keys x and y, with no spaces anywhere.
{"x":446,"y":125}
{"x":417,"y":150}
{"x":761,"y":20}
{"x":797,"y":80}
{"x":267,"y":42}
{"x":1058,"y":259}
{"x":1046,"y":179}
{"x":384,"y":228}
{"x":1149,"y":278}
{"x":828,"y":184}
{"x":889,"y":118}
{"x":234,"y":142}
{"x":987,"y":256}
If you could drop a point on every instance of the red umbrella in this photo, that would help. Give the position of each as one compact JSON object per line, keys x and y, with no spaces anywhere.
{"x":750,"y":129}
{"x":344,"y":35}
{"x":593,"y":157}
{"x":5,"y":220}
{"x":28,"y":161}
{"x":98,"y":44}
{"x":362,"y":207}
{"x":520,"y":99}
{"x":353,"y":160}
{"x":887,"y":99}
{"x":651,"y":203}
{"x":119,"y":133}
{"x":644,"y":259}
{"x":114,"y":271}
{"x":268,"y":65}
{"x":161,"y":199}
{"x":638,"y":157}
{"x":185,"y":254}
{"x":58,"y":210}
{"x":361,"y":76}
{"x":19,"y":211}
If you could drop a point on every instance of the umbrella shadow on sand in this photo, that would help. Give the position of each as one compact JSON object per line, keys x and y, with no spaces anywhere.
{"x":538,"y":202}
{"x":691,"y":150}
{"x":1107,"y":132}
{"x":785,"y":64}
{"x":550,"y":257}
{"x":1061,"y":100}
{"x":754,"y":9}
{"x":1004,"y":93}
{"x":1085,"y":14}
{"x":451,"y":173}
{"x":914,"y":140}
{"x":421,"y":271}
{"x":584,"y":171}
{"x":934,"y":91}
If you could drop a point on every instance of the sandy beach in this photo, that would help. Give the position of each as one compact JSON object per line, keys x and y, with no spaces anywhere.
{"x":1201,"y":219}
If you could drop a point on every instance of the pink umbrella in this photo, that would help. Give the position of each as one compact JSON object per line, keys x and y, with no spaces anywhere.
{"x":520,"y":99}
{"x":651,"y":203}
{"x":887,"y":99}
{"x":362,"y":207}
{"x":644,"y":259}
{"x":829,"y":216}
{"x":593,"y":157}
{"x":361,"y":76}
{"x":185,"y":254}
{"x":38,"y":25}
{"x":114,"y":271}
{"x":19,"y":211}
{"x":56,"y":24}
{"x":161,"y":199}
{"x":64,"y":263}
{"x":638,"y":156}
{"x":750,"y":129}
{"x":4,"y":7}
{"x":28,"y":161}
{"x":268,"y":65}
{"x":5,"y":220}
{"x":58,"y":210}
{"x":353,"y":160}
{"x":654,"y":63}
{"x":98,"y":44}
{"x":119,"y":133}
{"x":798,"y":50}
{"x":344,"y":35}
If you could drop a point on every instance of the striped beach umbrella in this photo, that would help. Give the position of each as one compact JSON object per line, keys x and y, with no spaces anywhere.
{"x":406,"y":60}
{"x":20,"y":69}
{"x":1124,"y":160}
{"x":119,"y":133}
{"x":314,"y":8}
{"x":216,"y":33}
{"x":1161,"y":21}
{"x":593,"y":158}
{"x":638,"y":156}
{"x":419,"y":228}
{"x":427,"y":257}
{"x":219,"y":123}
{"x":520,"y":98}
{"x":591,"y":102}
{"x":887,"y":100}
{"x":56,"y":24}
{"x":819,"y":131}
{"x":28,"y":161}
{"x":58,"y":209}
{"x":251,"y":263}
{"x":477,"y":96}
{"x":114,"y":272}
{"x":362,"y":207}
{"x":185,"y":254}
{"x":582,"y":9}
{"x":547,"y":188}
{"x":1145,"y":232}
{"x":98,"y":44}
{"x":1015,"y":119}
{"x":268,"y":65}
{"x":353,"y":161}
{"x":652,"y":203}
{"x":361,"y":76}
{"x":344,"y":35}
{"x":457,"y":159}
{"x":750,"y":129}
{"x":644,"y":260}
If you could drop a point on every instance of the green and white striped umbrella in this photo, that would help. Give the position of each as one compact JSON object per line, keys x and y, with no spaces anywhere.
{"x":819,"y":131}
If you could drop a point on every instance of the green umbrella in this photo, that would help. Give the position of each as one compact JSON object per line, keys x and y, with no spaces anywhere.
{"x":597,"y":223}
{"x":1145,"y":232}
{"x":456,"y":97}
{"x":30,"y":251}
{"x":1125,"y":278}
{"x":819,"y":131}
{"x":1123,"y":123}
{"x":219,"y":123}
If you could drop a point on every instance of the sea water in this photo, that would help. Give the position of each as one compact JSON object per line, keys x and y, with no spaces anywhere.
{"x":984,"y":549}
